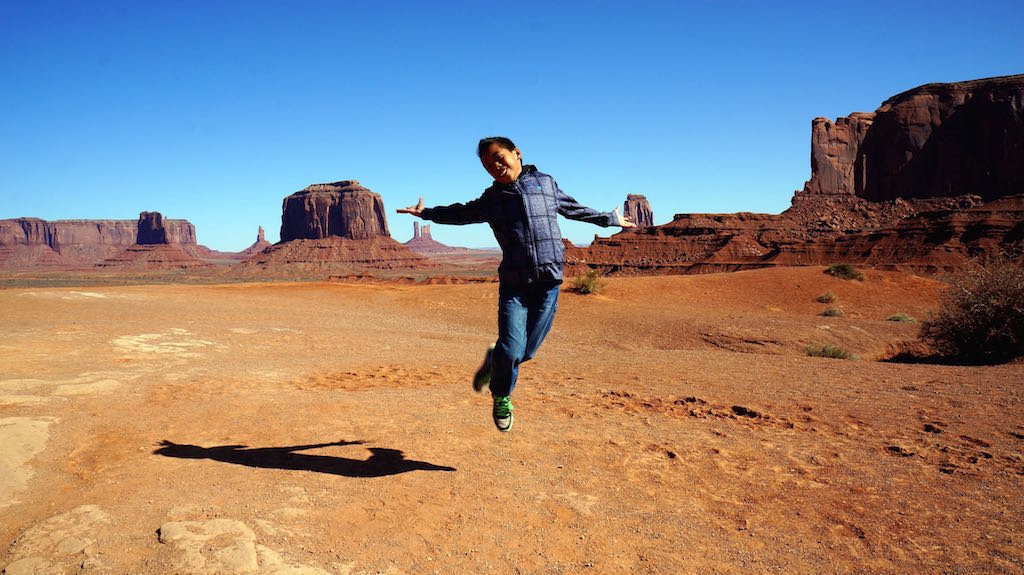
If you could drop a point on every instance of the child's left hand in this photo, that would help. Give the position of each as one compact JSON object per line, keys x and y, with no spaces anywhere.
{"x":416,"y":210}
{"x":623,"y":221}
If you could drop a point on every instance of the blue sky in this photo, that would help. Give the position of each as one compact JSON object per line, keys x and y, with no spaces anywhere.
{"x":215,"y":111}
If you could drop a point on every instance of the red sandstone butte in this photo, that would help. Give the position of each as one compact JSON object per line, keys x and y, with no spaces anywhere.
{"x":342,"y":209}
{"x":338,"y":227}
{"x":934,"y":176}
{"x":638,"y":210}
{"x":152,"y":249}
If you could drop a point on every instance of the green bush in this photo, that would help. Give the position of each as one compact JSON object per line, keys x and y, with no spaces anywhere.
{"x":828,"y":350}
{"x":845,"y":272}
{"x":981,"y":315}
{"x":588,"y":283}
{"x":832,"y":311}
{"x":901,"y":317}
{"x":827,"y":297}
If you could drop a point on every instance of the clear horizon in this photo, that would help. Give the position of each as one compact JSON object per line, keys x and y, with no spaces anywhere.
{"x":215,"y":112}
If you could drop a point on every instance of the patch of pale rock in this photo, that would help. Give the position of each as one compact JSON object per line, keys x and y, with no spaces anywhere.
{"x":218,"y":546}
{"x":61,"y":544}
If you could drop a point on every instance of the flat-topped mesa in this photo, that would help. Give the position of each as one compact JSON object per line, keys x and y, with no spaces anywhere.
{"x":343,"y":209}
{"x":30,"y":243}
{"x":637,"y":209}
{"x":331,"y":229}
{"x":152,"y":250}
{"x":936,"y":140}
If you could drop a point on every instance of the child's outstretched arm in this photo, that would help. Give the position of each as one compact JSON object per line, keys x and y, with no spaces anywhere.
{"x":570,"y":208}
{"x":472,"y":212}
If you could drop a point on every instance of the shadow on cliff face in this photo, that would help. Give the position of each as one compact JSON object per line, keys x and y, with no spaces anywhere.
{"x":382,"y":462}
{"x":968,"y":147}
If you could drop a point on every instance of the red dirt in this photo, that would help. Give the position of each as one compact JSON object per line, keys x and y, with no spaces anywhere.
{"x":670,"y":424}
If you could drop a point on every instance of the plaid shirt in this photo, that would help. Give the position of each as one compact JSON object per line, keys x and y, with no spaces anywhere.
{"x":524,"y":218}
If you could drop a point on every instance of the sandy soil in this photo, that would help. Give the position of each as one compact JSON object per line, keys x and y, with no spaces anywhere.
{"x":668,"y":425}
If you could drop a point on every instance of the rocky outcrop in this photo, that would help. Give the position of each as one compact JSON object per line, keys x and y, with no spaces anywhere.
{"x":341,"y":209}
{"x":423,"y":243}
{"x":152,"y":250}
{"x":152,"y":257}
{"x":937,"y":140}
{"x":27,"y":243}
{"x":260,"y":245}
{"x":59,"y":234}
{"x":837,"y":167}
{"x":638,"y":210}
{"x":934,"y":176}
{"x":328,"y":229}
{"x":151,"y":229}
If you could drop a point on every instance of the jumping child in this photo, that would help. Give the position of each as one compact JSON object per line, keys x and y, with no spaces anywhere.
{"x":522,"y":207}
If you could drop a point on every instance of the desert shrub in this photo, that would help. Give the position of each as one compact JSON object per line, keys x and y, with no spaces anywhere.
{"x":827,"y":297}
{"x":832,"y":311}
{"x":981,"y":315}
{"x":828,"y":350}
{"x":588,"y":283}
{"x":845,"y":272}
{"x":901,"y":317}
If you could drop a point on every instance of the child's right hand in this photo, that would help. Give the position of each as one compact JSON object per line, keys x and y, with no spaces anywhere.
{"x":416,"y":210}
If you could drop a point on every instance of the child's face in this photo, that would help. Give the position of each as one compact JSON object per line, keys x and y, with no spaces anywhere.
{"x":503,"y":165}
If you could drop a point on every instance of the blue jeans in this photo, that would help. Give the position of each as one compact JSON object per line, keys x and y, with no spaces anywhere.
{"x":525,"y":314}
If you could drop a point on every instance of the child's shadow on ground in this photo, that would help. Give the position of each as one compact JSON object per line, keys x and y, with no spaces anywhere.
{"x":382,"y":462}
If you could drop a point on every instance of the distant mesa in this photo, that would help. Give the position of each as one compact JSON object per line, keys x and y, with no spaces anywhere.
{"x":638,"y":210}
{"x":338,"y":227}
{"x":152,"y":250}
{"x":33,"y":243}
{"x":340,"y":209}
{"x":934,"y":176}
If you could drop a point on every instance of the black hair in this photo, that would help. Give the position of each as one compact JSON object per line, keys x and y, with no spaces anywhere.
{"x":486,"y":143}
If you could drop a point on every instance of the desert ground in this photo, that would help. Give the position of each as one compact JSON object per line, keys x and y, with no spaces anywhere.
{"x":668,"y":425}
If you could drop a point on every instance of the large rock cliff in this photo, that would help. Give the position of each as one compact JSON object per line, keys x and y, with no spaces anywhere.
{"x":937,"y":140}
{"x":934,"y":176}
{"x":27,"y":243}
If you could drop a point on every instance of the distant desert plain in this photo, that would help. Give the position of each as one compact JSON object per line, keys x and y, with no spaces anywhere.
{"x":670,"y":424}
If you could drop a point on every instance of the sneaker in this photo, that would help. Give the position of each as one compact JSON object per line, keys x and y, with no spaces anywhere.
{"x":502,"y":413}
{"x":483,"y":375}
